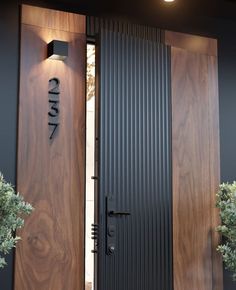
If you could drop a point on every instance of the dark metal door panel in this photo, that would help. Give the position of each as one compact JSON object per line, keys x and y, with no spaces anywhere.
{"x":135,"y":164}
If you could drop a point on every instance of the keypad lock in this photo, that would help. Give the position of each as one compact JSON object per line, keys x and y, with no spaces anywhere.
{"x":111,"y":230}
{"x":111,"y":220}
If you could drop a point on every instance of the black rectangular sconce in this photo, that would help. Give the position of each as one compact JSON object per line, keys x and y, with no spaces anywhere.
{"x":58,"y":50}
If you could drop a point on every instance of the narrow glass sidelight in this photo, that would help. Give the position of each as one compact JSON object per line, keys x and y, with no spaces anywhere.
{"x":90,"y":169}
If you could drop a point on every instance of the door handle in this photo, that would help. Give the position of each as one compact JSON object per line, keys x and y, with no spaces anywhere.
{"x":118,"y":213}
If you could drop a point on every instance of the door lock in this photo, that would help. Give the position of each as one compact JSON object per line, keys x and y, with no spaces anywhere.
{"x":111,"y":221}
{"x":111,"y":230}
{"x":111,"y":249}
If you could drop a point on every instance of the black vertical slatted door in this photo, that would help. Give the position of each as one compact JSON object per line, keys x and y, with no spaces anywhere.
{"x":135,"y":163}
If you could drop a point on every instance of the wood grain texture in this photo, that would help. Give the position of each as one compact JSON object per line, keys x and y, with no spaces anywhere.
{"x":53,"y":19}
{"x":51,"y":174}
{"x":217,"y":268}
{"x":195,"y":143}
{"x":191,"y":43}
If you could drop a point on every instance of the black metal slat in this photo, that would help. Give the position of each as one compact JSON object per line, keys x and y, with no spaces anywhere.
{"x":94,"y":25}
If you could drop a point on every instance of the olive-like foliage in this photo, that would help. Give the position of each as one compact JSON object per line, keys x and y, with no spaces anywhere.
{"x":226,"y":202}
{"x":12,"y":209}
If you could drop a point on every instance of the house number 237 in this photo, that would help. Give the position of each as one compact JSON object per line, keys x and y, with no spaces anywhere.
{"x":53,"y":99}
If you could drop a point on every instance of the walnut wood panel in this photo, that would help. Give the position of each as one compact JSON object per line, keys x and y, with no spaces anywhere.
{"x":51,"y":174}
{"x":214,"y":167}
{"x":195,"y":143}
{"x":53,"y":19}
{"x":192,"y":43}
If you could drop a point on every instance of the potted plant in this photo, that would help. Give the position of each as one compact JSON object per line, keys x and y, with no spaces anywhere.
{"x":226,"y":202}
{"x":12,"y":207}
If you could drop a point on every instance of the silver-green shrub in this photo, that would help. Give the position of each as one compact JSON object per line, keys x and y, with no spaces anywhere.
{"x":12,"y":207}
{"x":226,"y":202}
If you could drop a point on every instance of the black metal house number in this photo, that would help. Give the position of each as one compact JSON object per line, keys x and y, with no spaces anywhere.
{"x":53,"y":99}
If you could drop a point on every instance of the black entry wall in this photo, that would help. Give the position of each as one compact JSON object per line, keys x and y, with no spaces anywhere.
{"x":224,"y":30}
{"x":8,"y":106}
{"x":227,"y":89}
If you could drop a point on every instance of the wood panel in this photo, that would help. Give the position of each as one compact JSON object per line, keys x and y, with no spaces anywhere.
{"x":191,"y":43}
{"x":217,"y":277}
{"x":53,"y":19}
{"x":51,"y":173}
{"x":195,"y":143}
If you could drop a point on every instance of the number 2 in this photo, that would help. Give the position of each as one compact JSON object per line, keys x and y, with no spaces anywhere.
{"x":54,"y":86}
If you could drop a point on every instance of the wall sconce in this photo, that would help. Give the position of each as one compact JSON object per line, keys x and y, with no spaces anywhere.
{"x":58,"y":50}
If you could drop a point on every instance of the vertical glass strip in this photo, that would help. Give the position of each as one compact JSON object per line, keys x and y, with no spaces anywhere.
{"x":90,"y":166}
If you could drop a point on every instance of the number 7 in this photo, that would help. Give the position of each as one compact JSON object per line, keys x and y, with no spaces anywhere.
{"x":55,"y":125}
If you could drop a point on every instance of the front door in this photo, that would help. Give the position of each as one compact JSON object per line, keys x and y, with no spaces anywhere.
{"x":135,"y":213}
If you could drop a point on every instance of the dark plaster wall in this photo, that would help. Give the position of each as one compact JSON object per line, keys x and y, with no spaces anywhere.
{"x":224,"y":30}
{"x":8,"y":107}
{"x":227,"y":88}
